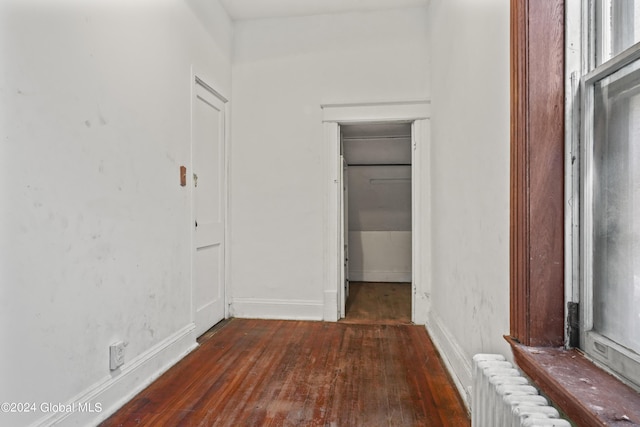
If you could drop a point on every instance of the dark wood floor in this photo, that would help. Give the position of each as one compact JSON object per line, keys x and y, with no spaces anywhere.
{"x":296,"y":373}
{"x":378,"y":303}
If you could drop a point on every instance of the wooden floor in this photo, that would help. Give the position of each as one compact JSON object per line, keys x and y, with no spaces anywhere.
{"x":378,"y":303}
{"x":296,"y":373}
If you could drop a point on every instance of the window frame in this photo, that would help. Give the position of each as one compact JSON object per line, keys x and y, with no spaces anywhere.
{"x":538,"y":220}
{"x":537,"y":167}
{"x":613,"y":356}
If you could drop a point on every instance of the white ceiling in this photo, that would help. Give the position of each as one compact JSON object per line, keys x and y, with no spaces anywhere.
{"x":257,"y":9}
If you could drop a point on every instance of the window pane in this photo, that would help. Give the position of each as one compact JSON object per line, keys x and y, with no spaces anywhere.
{"x":618,"y":29}
{"x":616,"y":207}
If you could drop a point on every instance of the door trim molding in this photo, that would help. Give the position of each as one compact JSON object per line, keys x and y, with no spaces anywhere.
{"x":205,"y":85}
{"x":333,"y":115}
{"x":376,"y":112}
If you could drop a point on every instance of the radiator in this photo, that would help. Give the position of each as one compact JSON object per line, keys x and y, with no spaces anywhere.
{"x":502,"y":397}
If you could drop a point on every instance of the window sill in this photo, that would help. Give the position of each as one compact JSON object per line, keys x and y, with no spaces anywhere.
{"x":588,"y":395}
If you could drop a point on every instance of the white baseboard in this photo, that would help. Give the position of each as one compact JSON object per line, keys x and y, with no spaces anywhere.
{"x":454,"y":358}
{"x":111,"y":393}
{"x":380,"y":276}
{"x":257,"y":308}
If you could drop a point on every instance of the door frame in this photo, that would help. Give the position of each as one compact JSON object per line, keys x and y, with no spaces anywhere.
{"x":417,"y":112}
{"x":198,"y":79}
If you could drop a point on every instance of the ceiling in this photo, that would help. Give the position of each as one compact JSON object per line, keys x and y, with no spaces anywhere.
{"x":257,"y":9}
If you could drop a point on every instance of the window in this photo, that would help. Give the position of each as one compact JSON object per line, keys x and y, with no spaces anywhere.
{"x":608,"y":260}
{"x":546,"y":69}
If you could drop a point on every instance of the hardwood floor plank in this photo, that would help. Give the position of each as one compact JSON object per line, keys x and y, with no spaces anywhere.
{"x":294,"y":373}
{"x":377,"y":303}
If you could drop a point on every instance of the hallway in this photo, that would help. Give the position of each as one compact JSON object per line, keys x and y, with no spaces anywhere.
{"x":299,"y":373}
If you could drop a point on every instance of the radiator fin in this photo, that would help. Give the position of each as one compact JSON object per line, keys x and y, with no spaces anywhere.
{"x":502,"y":397}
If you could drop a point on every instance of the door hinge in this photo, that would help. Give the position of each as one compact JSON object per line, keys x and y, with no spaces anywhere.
{"x":573,"y":324}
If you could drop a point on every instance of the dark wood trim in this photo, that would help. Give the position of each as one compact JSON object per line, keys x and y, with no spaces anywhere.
{"x":519,"y":260}
{"x":589,"y":396}
{"x":537,"y":172}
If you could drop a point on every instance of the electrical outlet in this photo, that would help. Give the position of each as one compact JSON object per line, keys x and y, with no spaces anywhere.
{"x":116,"y":355}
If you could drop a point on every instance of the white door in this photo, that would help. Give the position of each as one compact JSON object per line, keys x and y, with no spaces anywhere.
{"x":344,"y":226}
{"x":208,"y":137}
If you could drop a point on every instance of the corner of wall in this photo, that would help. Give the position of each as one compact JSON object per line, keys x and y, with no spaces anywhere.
{"x":452,"y":355}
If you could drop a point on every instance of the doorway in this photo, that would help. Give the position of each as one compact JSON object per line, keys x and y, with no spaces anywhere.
{"x":208,"y":124}
{"x":335,"y":116}
{"x":377,"y":224}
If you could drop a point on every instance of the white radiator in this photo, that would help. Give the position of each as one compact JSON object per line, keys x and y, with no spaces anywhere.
{"x":502,"y":397}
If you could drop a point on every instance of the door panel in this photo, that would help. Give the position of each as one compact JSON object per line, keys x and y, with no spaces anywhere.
{"x":345,"y":225}
{"x":344,"y":237}
{"x":209,"y":197}
{"x":207,"y":265}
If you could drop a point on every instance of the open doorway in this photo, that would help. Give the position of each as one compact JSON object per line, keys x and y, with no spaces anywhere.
{"x":336,"y":116}
{"x":377,"y":221}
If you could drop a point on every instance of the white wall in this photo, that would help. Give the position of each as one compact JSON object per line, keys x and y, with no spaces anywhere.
{"x":283,"y":70}
{"x":470,"y":179}
{"x":379,"y":214}
{"x":380,"y":256}
{"x":94,"y":121}
{"x":95,"y":233}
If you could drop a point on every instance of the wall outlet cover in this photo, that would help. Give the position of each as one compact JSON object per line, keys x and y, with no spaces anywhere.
{"x":116,"y":355}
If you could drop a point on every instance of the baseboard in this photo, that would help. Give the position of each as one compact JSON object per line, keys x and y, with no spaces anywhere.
{"x":257,"y":308}
{"x":101,"y":400}
{"x":380,"y":276}
{"x":454,"y":358}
